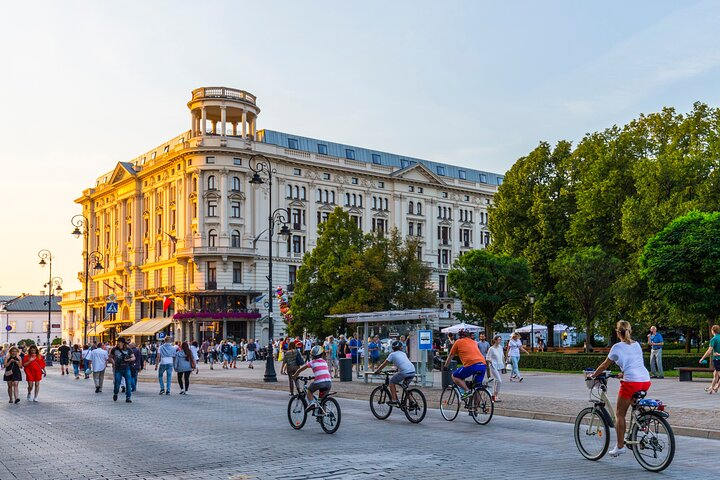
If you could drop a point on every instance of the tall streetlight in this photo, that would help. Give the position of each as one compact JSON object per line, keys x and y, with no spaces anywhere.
{"x":259,"y":164}
{"x":88,"y":257}
{"x":53,"y":282}
{"x":531,"y":299}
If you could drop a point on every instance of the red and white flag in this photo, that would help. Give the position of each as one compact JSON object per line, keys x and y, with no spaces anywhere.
{"x":167,"y":301}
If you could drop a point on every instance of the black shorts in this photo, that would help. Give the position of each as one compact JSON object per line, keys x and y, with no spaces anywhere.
{"x":64,"y":361}
{"x":716,"y":364}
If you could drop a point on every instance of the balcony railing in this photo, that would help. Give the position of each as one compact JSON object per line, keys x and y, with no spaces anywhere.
{"x":223,"y":92}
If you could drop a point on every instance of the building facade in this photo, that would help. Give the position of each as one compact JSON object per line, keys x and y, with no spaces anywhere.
{"x":183,"y":222}
{"x":27,"y":317}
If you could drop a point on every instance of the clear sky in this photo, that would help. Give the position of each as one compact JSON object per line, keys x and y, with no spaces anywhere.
{"x":86,"y":84}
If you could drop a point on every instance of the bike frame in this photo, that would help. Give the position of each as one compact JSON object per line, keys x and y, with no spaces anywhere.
{"x":602,"y":404}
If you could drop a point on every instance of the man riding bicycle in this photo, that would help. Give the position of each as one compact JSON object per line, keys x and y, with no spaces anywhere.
{"x":473,"y":361}
{"x":405,"y":369}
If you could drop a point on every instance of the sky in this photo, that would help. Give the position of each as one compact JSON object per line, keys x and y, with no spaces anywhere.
{"x":87,"y":84}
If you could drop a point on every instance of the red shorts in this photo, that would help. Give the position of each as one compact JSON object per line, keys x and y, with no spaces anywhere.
{"x":628,"y":388}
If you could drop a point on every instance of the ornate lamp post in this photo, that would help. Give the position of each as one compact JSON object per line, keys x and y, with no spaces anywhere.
{"x":88,"y":257}
{"x":260,"y":164}
{"x":531,"y":299}
{"x":53,"y":282}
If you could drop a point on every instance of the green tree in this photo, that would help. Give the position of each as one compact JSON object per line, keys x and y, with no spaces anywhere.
{"x":486,"y":282}
{"x":681,"y":264}
{"x":410,"y":277}
{"x":586,"y":276}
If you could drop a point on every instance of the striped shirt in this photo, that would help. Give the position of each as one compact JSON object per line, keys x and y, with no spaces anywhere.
{"x":320,"y":370}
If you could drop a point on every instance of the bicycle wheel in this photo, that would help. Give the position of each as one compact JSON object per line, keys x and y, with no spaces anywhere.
{"x":330,"y":420}
{"x":655,"y":447}
{"x":296,"y":412}
{"x":415,"y":405}
{"x":379,"y":399}
{"x":592,"y":434}
{"x":449,"y":403}
{"x":482,"y":407}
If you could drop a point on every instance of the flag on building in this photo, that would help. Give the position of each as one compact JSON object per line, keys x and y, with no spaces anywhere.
{"x":167,"y":301}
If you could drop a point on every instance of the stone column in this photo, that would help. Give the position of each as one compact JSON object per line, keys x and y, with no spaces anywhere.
{"x":203,"y":122}
{"x":224,"y":328}
{"x":252,"y":128}
{"x":222,"y":120}
{"x":244,"y":124}
{"x":196,"y":330}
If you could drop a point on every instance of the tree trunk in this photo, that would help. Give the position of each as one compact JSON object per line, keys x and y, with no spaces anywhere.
{"x":486,"y":324}
{"x":550,"y":340}
{"x":688,"y":333}
{"x":587,"y":335}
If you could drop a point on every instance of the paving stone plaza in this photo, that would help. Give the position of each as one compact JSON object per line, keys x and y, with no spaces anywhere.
{"x":226,"y":431}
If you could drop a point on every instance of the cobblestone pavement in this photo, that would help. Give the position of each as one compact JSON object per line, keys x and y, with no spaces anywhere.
{"x":225,"y":432}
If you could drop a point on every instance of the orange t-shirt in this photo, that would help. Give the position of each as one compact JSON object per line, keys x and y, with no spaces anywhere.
{"x":468,"y":351}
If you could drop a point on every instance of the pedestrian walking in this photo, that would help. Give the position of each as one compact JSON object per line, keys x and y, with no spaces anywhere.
{"x":64,"y":351}
{"x":204,"y":349}
{"x":292,"y":359}
{"x":334,"y":360}
{"x":13,"y":375}
{"x":76,"y":359}
{"x":85,"y":361}
{"x":122,"y":357}
{"x":136,"y":367}
{"x":373,"y":352}
{"x":251,"y":349}
{"x":153,"y":353}
{"x":354,"y":345}
{"x":713,"y":352}
{"x":235,"y":353}
{"x":495,"y":360}
{"x":34,"y":366}
{"x":655,"y":340}
{"x":98,"y":363}
{"x":184,"y":364}
{"x":514,"y":348}
{"x":166,"y":354}
{"x":144,"y":353}
{"x":196,"y":356}
{"x":307,"y":347}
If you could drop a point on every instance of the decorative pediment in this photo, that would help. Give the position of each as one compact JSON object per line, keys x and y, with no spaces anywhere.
{"x":211,"y":195}
{"x":445,"y":223}
{"x":122,"y":171}
{"x":466,"y":225}
{"x":355,"y":211}
{"x":326,"y":207}
{"x":418,"y":172}
{"x":236,"y":196}
{"x":380,"y":214}
{"x":296,"y":204}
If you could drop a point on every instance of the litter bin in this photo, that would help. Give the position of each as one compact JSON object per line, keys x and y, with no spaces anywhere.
{"x":346,"y":369}
{"x":447,"y":373}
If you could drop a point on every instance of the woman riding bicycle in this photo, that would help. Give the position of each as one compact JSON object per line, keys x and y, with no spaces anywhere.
{"x":323,"y":380}
{"x":405,"y":369}
{"x":627,"y":354}
{"x":473,"y":361}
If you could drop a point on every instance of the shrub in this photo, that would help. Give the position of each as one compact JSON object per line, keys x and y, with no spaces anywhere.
{"x":577,"y":362}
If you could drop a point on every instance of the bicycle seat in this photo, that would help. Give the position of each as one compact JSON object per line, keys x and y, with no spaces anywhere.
{"x":639,"y":394}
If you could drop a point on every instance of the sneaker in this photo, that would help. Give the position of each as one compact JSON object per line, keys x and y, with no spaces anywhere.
{"x":167,"y":393}
{"x":122,"y":389}
{"x":17,"y":400}
{"x":393,"y":403}
{"x":97,"y":389}
{"x":114,"y":397}
{"x":35,"y":399}
{"x":182,"y":392}
{"x":127,"y":400}
{"x":28,"y":397}
{"x":616,"y":452}
{"x":520,"y":380}
{"x":466,"y":394}
{"x":162,"y":392}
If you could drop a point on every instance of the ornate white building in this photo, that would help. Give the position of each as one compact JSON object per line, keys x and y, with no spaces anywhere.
{"x":181,"y":220}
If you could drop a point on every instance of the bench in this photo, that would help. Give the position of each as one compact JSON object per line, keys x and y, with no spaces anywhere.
{"x":686,"y":372}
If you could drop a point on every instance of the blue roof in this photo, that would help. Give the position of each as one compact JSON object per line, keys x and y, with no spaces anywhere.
{"x":31,"y":303}
{"x":313,"y":145}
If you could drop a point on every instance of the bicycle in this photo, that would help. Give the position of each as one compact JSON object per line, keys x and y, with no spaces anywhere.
{"x":327,"y":410}
{"x":648,"y":435}
{"x":479,"y":403}
{"x":412,"y":401}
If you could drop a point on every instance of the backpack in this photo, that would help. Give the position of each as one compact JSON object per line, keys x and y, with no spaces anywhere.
{"x":299,"y":360}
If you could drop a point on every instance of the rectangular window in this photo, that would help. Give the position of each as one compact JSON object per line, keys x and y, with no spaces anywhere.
{"x":411,"y":229}
{"x":354,"y":180}
{"x":483,"y":178}
{"x":376,"y":158}
{"x":350,"y":154}
{"x":381,"y":184}
{"x":237,"y":161}
{"x":444,"y":194}
{"x":440,"y":170}
{"x":499,"y":180}
{"x":29,"y":326}
{"x":212,"y":209}
{"x":292,"y":276}
{"x":411,"y":188}
{"x":419,"y":230}
{"x":209,"y":159}
{"x":297,"y":172}
{"x":237,"y":272}
{"x":235,"y":209}
{"x":322,"y":149}
{"x":293,"y":143}
{"x":420,"y":189}
{"x":326,"y":176}
{"x":404,"y":163}
{"x":462,"y":174}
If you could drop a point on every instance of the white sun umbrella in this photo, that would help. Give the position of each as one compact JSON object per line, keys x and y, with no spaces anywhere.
{"x":462,"y":326}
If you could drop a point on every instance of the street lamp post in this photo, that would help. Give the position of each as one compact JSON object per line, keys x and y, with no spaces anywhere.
{"x":259,"y":164}
{"x":53,"y":282}
{"x":94,"y":257}
{"x":531,"y":299}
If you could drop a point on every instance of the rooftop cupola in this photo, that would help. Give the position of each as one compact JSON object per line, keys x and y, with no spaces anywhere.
{"x":224,"y":112}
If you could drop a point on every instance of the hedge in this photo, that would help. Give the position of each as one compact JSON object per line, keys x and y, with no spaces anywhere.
{"x":576,"y":362}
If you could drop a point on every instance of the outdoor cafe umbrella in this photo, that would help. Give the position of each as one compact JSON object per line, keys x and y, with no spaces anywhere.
{"x":462,"y":326}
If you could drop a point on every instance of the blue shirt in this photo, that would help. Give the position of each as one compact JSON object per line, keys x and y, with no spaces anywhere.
{"x":374,"y":353}
{"x":657,"y":338}
{"x":354,"y":345}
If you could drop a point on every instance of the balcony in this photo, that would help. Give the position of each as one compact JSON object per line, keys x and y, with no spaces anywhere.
{"x":223,"y":92}
{"x":212,"y":285}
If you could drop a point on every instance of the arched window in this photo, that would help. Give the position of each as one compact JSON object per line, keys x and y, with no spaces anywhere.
{"x":212,"y":238}
{"x":318,"y":195}
{"x":297,"y":192}
{"x":327,"y":196}
{"x":439,"y":212}
{"x":236,"y":184}
{"x":332,"y":197}
{"x":411,"y":208}
{"x":194,"y":184}
{"x":354,"y":200}
{"x":304,"y":193}
{"x":374,"y":203}
{"x":288,"y":191}
{"x":211,"y":182}
{"x":235,"y":239}
{"x":386,"y":204}
{"x":347,"y":199}
{"x":360,"y":201}
{"x":419,"y":208}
